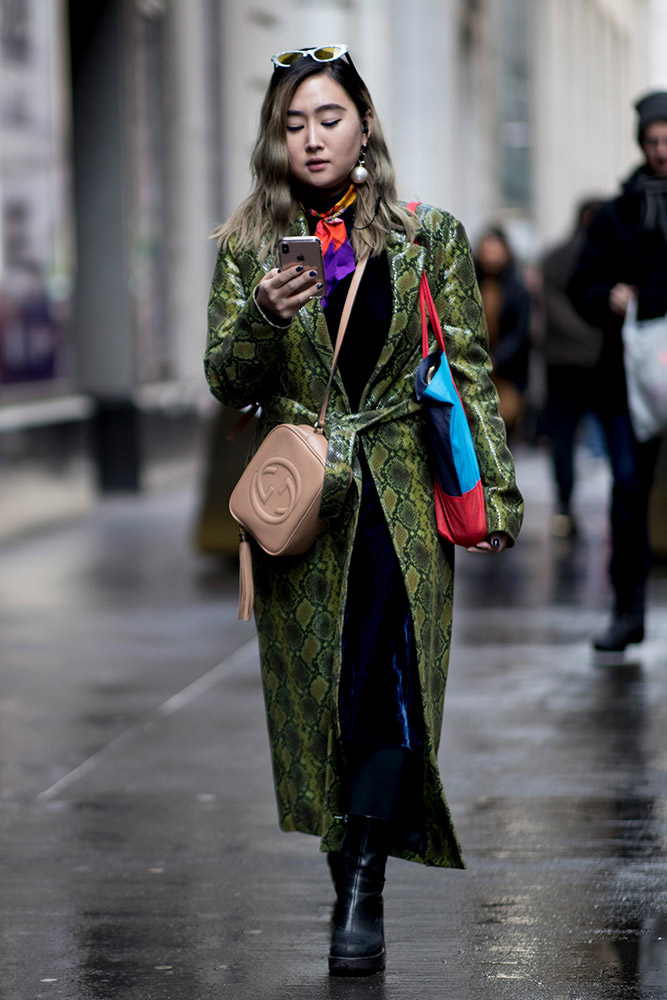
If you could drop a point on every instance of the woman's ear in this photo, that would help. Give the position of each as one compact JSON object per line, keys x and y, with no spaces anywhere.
{"x":367,"y":123}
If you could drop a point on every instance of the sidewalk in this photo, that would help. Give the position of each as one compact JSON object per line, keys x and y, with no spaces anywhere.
{"x":139,"y":850}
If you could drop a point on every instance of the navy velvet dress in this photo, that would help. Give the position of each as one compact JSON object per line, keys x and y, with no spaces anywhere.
{"x":379,"y":693}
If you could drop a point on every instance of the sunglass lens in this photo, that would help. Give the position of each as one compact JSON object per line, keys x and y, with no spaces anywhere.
{"x":288,"y":58}
{"x":328,"y":53}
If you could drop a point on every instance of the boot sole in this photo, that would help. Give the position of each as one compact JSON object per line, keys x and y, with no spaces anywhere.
{"x":366,"y":966}
{"x":603,"y":656}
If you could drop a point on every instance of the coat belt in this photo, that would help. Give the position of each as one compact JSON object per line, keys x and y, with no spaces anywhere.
{"x":341,"y":432}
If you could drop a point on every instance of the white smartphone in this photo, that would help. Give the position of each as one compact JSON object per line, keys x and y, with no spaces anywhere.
{"x":306,"y":251}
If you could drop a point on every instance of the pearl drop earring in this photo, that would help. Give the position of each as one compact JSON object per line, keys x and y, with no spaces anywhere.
{"x":359,"y":174}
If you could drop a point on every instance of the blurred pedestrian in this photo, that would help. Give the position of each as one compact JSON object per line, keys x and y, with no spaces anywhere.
{"x":354,"y":635}
{"x":506,"y":303}
{"x":29,"y":331}
{"x":625,"y":257}
{"x":571,"y":349}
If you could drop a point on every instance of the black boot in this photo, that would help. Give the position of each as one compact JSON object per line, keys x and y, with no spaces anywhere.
{"x":624,"y":630}
{"x":335,"y":863}
{"x":357,"y":943}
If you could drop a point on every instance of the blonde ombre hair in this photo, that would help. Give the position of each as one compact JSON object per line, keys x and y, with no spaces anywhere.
{"x":271,"y":207}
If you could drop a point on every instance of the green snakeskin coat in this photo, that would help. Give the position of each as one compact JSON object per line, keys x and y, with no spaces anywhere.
{"x":300,"y":600}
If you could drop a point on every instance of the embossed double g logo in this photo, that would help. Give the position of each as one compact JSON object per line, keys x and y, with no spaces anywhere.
{"x":275,"y":490}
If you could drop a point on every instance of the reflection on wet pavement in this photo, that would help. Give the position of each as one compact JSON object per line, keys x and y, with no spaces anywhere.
{"x":153,"y":866}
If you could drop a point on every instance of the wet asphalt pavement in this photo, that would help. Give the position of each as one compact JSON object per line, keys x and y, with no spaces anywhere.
{"x":139,"y":850}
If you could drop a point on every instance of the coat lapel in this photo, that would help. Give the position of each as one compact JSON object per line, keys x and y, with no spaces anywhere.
{"x":406,"y":264}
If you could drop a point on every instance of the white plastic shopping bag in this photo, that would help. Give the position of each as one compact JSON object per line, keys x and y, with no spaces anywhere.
{"x":645,"y":356}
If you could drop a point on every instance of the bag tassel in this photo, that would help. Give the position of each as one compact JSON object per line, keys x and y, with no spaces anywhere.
{"x":246,"y":584}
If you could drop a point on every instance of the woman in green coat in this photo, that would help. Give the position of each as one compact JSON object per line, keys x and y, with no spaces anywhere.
{"x":354,"y":636}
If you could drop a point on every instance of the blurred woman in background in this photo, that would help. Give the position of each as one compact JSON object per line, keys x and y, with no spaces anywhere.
{"x":506,"y":303}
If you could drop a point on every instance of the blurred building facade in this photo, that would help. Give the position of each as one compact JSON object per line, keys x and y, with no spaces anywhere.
{"x":125,"y":133}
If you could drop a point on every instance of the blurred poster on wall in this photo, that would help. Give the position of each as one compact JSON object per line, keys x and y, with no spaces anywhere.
{"x":36,"y":215}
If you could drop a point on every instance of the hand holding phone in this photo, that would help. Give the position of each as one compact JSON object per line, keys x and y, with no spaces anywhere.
{"x":304,"y":251}
{"x":281,"y":293}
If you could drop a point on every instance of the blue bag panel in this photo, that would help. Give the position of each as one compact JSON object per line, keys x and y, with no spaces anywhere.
{"x":453,"y":451}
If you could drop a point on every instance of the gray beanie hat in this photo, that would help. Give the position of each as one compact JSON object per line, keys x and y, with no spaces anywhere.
{"x":651,"y":108}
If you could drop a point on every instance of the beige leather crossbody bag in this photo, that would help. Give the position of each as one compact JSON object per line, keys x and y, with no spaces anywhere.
{"x":277,"y":498}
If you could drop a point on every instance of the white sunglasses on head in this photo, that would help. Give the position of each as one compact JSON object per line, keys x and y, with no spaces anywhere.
{"x":323,"y":54}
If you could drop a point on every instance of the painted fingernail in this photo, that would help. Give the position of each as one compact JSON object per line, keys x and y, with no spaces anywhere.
{"x":299,"y":268}
{"x":319,"y":286}
{"x":495,"y":542}
{"x":313,"y":274}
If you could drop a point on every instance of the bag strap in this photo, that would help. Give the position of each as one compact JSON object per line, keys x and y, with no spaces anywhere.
{"x":426,"y":303}
{"x":347,"y":310}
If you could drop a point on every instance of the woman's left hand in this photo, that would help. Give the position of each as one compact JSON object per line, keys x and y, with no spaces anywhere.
{"x":497,"y":542}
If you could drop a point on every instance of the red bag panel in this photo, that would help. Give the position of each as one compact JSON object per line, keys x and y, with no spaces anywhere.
{"x":461,"y":520}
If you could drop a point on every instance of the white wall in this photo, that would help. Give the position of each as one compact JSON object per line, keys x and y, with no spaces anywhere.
{"x":657,"y":43}
{"x":590,"y":66}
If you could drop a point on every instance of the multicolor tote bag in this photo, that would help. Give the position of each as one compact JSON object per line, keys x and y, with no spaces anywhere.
{"x":459,"y":497}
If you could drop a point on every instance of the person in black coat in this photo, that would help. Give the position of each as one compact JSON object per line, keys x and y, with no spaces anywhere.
{"x":571,"y":350}
{"x":625,"y":257}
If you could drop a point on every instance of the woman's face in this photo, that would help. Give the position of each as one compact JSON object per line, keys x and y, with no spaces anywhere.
{"x":324,"y":134}
{"x":492,"y":254}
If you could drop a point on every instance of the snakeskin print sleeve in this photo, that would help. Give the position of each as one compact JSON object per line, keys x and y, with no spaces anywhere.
{"x":242,"y":342}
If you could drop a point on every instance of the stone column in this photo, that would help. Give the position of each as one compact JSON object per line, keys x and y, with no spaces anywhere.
{"x":102,"y":313}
